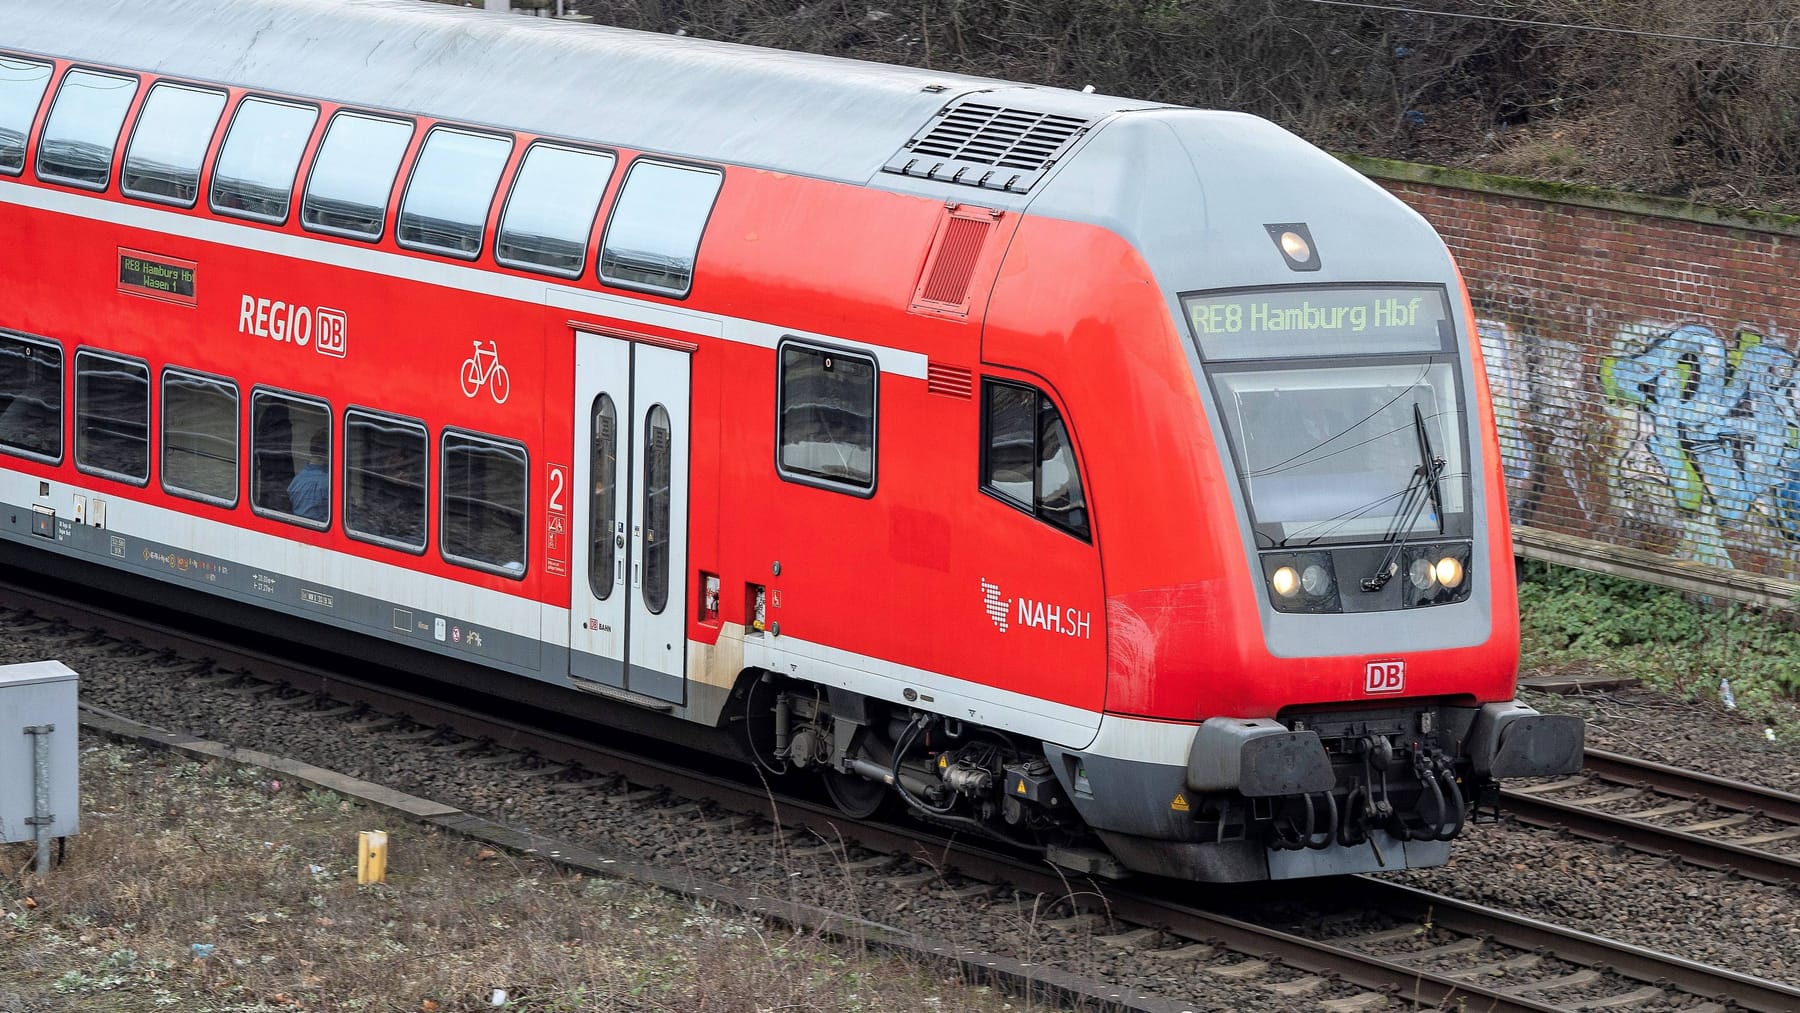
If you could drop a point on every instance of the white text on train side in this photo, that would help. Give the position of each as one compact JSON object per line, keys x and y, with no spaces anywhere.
{"x":1069,"y":622}
{"x":292,"y":323}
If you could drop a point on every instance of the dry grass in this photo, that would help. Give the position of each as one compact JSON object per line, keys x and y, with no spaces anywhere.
{"x":174,"y":853}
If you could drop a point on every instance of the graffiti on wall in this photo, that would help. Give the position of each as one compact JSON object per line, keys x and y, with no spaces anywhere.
{"x":1679,"y":438}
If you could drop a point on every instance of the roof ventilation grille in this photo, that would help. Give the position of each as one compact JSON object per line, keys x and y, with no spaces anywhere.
{"x":988,"y":146}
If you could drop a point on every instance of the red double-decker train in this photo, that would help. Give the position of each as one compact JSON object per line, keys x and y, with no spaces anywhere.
{"x":1108,"y":475}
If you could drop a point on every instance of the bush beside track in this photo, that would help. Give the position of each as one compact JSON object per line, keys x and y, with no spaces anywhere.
{"x":1573,"y":621}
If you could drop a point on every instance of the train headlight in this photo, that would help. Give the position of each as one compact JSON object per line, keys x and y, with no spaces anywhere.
{"x":1449,"y":572}
{"x":1295,"y":246}
{"x":1315,"y":580}
{"x":1422,"y":574}
{"x":1436,"y":574}
{"x":1303,"y":582}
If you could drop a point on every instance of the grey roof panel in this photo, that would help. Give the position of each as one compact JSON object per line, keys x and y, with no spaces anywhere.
{"x":811,"y":115}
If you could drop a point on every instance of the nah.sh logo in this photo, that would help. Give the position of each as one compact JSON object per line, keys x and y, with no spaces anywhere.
{"x":1385,"y":677}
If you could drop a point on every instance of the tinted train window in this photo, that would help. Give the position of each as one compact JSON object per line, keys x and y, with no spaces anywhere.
{"x":200,"y":437}
{"x":162,"y":162}
{"x":446,"y":204}
{"x":551,"y":210}
{"x":31,"y":398}
{"x":826,"y":427}
{"x":22,"y":85}
{"x":658,"y":464}
{"x":483,"y":517}
{"x":603,"y":558}
{"x":254,"y":177}
{"x":1027,"y":459}
{"x":112,"y":416}
{"x":290,"y":458}
{"x":78,"y":141}
{"x":353,"y":174}
{"x":384,"y":480}
{"x":654,"y":233}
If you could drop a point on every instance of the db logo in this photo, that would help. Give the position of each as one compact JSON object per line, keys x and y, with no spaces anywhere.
{"x":1385,"y":677}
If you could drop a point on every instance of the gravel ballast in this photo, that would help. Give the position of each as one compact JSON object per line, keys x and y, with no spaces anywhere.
{"x":1716,"y":918}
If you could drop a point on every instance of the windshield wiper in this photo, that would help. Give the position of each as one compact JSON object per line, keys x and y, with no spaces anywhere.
{"x":1420,"y":489}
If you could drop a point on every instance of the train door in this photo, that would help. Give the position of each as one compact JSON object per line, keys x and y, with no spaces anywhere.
{"x":628,"y":599}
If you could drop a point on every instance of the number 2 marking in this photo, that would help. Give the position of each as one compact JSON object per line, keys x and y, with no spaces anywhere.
{"x":558,"y":479}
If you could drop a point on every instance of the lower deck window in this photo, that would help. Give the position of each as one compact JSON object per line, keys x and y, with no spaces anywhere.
{"x":290,"y":458}
{"x":484,"y":503}
{"x":384,"y":480}
{"x":112,"y":416}
{"x":200,"y":437}
{"x":31,"y":398}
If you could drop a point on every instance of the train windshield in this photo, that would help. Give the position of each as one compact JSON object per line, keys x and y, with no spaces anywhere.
{"x":1338,"y":405}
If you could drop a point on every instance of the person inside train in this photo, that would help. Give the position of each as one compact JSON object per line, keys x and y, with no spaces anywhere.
{"x":309,"y":493}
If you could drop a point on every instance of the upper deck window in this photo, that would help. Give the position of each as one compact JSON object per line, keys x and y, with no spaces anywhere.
{"x":254,"y":177}
{"x":22,"y":85}
{"x":654,"y":234}
{"x":551,"y":210}
{"x":162,"y":162}
{"x":446,"y":204}
{"x":353,"y":174}
{"x":83,"y":129}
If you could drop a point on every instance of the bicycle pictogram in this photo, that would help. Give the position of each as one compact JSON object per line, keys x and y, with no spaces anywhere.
{"x":483,"y":368}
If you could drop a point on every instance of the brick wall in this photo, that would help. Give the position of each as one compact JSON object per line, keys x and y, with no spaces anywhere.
{"x":1642,"y":356}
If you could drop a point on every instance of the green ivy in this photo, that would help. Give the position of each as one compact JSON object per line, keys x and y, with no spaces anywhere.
{"x":1673,"y":641}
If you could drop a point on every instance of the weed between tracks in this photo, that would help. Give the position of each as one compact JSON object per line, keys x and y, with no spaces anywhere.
{"x":197,"y":888}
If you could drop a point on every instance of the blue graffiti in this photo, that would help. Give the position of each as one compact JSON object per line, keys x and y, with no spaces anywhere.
{"x":1723,"y":422}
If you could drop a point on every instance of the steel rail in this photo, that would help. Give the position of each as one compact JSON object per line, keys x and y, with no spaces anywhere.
{"x":1742,"y":795}
{"x":1636,"y":962}
{"x":1641,"y":835}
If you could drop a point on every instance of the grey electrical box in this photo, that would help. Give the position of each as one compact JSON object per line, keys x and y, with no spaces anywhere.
{"x":40,"y":696}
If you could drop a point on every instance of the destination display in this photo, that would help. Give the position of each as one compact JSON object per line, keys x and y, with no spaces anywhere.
{"x":161,"y":277}
{"x":1300,"y":321}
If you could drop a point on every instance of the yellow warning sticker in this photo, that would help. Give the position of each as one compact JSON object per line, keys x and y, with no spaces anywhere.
{"x":1021,"y":788}
{"x":1180,"y":803}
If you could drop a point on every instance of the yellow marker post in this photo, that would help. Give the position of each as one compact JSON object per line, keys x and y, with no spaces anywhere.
{"x":371,"y":856}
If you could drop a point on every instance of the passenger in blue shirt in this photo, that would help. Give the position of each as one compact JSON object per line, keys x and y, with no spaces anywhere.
{"x":309,"y":494}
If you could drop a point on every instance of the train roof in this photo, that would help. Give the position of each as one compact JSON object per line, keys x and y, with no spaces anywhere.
{"x":811,"y":115}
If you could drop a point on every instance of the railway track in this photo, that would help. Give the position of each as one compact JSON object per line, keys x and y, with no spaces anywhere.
{"x":1375,"y":943}
{"x":1651,"y":807}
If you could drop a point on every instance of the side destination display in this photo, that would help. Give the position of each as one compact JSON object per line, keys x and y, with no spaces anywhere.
{"x":156,"y":276}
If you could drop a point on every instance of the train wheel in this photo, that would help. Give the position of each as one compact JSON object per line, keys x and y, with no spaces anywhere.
{"x":856,"y":797}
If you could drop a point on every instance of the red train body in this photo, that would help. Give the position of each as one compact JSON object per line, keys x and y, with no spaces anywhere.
{"x":1006,"y":460}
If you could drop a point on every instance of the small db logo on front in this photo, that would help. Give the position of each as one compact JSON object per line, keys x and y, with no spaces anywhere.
{"x":1385,"y":677}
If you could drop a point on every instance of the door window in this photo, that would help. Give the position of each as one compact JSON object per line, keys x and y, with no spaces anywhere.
{"x":657,"y":466}
{"x":603,"y":552}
